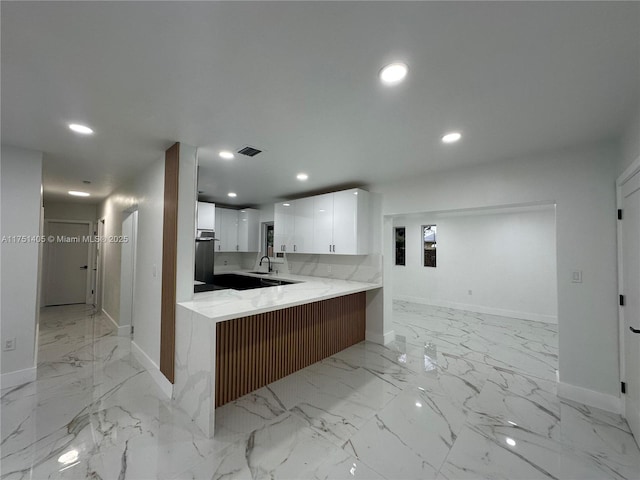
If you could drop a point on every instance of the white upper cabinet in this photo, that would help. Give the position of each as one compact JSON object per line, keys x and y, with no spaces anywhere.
{"x":323,"y":223}
{"x":248,"y":230}
{"x":333,"y":223}
{"x":303,"y":225}
{"x":226,"y":230}
{"x":283,"y":226}
{"x":206,"y":216}
{"x":351,"y":222}
{"x":237,"y":231}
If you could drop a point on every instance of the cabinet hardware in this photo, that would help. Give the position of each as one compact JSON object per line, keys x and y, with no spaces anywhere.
{"x":634,"y":330}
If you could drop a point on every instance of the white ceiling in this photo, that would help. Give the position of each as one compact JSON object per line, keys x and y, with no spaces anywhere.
{"x":299,"y":80}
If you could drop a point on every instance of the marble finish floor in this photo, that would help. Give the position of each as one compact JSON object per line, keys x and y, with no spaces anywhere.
{"x":477,"y":401}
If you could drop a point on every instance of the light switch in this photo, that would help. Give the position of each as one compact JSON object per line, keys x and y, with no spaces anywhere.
{"x":155,"y":270}
{"x":576,"y":276}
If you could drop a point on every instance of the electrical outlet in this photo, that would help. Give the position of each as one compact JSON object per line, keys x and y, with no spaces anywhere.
{"x":576,"y":276}
{"x":329,"y":269}
{"x":470,"y":292}
{"x":9,"y":344}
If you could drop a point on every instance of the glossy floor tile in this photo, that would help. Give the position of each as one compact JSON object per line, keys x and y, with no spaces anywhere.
{"x":457,"y":395}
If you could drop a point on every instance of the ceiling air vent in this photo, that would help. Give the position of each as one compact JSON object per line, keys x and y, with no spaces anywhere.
{"x":249,"y":151}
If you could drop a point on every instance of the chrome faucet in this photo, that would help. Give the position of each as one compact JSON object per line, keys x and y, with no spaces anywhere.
{"x":268,"y":260}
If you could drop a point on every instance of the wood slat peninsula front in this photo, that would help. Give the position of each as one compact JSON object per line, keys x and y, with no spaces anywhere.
{"x":256,"y":350}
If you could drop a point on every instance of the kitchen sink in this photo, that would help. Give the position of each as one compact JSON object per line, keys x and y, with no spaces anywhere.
{"x":242,"y":282}
{"x":260,"y":273}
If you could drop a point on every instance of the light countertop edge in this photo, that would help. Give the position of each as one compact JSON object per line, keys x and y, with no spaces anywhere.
{"x":222,"y":305}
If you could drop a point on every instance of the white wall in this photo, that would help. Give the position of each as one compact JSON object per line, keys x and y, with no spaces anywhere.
{"x":507,"y":259}
{"x":21,"y":200}
{"x":630,"y":143}
{"x":267,"y":212}
{"x":187,"y":200}
{"x":146,"y":192}
{"x":581,"y":183}
{"x":233,"y":261}
{"x":70,"y":211}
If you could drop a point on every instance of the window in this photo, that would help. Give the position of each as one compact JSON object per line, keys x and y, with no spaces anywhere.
{"x":400,"y":246}
{"x":268,"y":239}
{"x":429,"y":242}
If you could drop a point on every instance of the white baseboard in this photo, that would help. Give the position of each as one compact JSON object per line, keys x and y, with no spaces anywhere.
{"x":591,"y":398}
{"x":536,"y":317}
{"x":384,"y":339}
{"x":165,"y":385}
{"x":19,"y":377}
{"x":123,"y":330}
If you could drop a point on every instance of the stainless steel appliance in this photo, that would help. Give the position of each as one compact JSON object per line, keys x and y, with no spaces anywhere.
{"x":205,"y":241}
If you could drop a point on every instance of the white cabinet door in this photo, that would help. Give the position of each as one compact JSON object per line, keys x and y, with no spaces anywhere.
{"x":227,"y":230}
{"x":206,"y":216}
{"x":303,"y":225}
{"x":323,"y":223}
{"x":248,"y":230}
{"x":351,"y":222}
{"x":230,"y":229}
{"x":283,"y":226}
{"x":345,"y":222}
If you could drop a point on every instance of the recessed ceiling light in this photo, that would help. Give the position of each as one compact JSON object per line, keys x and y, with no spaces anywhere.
{"x":226,"y":154}
{"x":511,"y":442}
{"x":78,"y":194}
{"x":393,"y":73}
{"x":232,"y":194}
{"x":286,"y":204}
{"x":451,"y":137}
{"x":302,"y":177}
{"x":83,"y":129}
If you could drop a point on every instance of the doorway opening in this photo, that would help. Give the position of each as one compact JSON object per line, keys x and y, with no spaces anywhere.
{"x":496,"y":274}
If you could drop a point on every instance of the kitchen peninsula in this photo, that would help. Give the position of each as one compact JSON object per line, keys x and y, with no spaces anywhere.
{"x":230,"y":342}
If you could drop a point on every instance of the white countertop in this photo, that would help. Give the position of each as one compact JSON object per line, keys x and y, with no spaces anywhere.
{"x":221,"y":305}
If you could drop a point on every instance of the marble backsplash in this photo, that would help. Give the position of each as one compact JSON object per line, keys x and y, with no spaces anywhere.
{"x":232,"y":261}
{"x":359,"y":268}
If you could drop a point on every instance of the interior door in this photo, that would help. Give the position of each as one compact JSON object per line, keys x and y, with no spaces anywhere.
{"x":67,"y":263}
{"x":128,"y":269}
{"x":631,"y":309}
